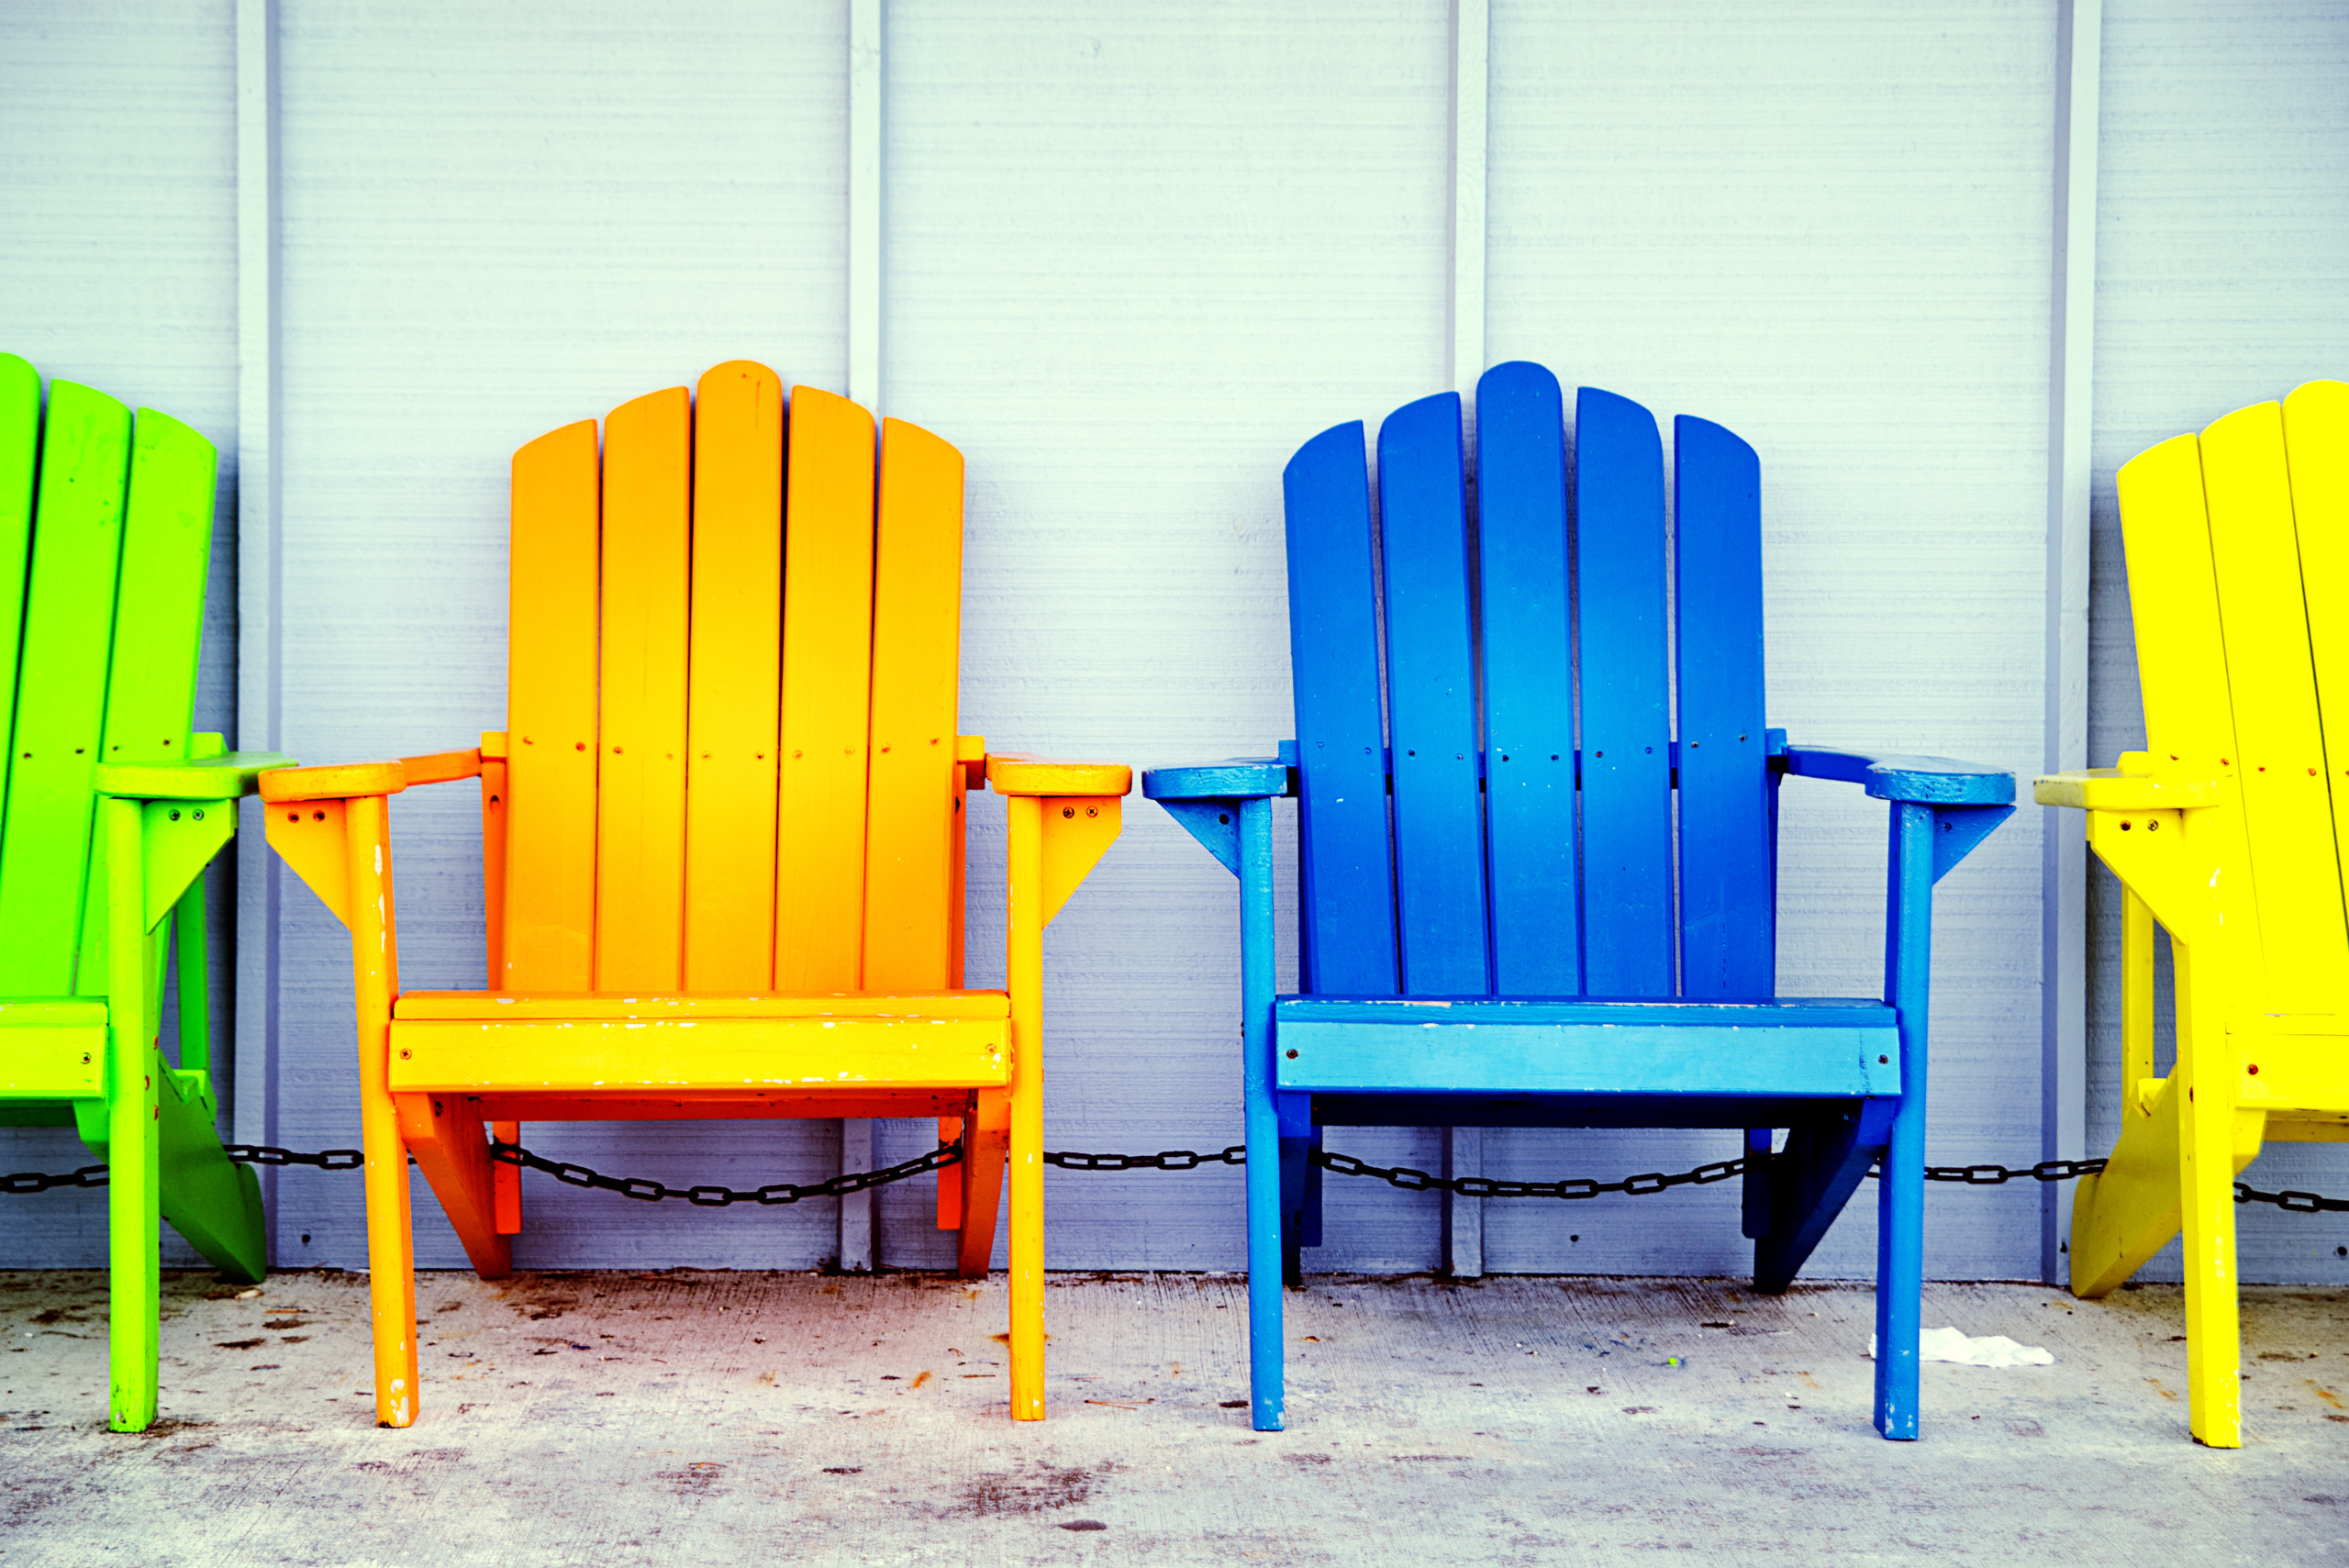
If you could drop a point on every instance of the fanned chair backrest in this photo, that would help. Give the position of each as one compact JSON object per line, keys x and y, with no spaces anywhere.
{"x":731,"y":700}
{"x":106,"y":532}
{"x":1478,"y":874}
{"x":2238,"y":554}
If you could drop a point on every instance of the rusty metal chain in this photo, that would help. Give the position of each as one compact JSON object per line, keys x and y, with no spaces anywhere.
{"x":1165,"y":1160}
{"x":2292,"y":1202}
{"x":1999,"y":1175}
{"x":1567,"y":1189}
{"x":711,"y":1195}
{"x":270,"y":1154}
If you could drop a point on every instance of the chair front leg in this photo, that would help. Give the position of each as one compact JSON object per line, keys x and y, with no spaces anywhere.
{"x":391,"y":1247}
{"x":1901,"y":1199}
{"x":2206,"y":1177}
{"x":1025,"y":973}
{"x":134,"y":1143}
{"x":1266,"y":1166}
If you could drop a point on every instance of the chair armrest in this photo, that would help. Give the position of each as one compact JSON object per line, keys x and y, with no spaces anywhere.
{"x":1013,"y":773}
{"x":2124,"y":789}
{"x":1236,"y":778}
{"x":225,"y":776}
{"x":345,"y":781}
{"x":1923,"y":781}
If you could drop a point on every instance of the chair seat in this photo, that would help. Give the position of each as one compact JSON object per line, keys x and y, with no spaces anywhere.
{"x":52,"y":1048}
{"x":1794,"y":1049}
{"x":552,"y":1043}
{"x":2289,"y":1061}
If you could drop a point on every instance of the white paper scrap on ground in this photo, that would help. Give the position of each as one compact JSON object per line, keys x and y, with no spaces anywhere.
{"x":1990,"y":1350}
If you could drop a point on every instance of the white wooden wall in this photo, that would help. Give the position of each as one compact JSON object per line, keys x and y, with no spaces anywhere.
{"x":1130,"y":258}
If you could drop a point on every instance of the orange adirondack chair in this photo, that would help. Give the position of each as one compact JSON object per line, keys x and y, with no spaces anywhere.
{"x":722,"y":835}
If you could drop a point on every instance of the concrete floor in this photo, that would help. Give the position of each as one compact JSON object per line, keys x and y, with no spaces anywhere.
{"x":690,"y":1417}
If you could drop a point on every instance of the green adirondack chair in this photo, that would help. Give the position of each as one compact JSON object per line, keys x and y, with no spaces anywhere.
{"x":111,"y":812}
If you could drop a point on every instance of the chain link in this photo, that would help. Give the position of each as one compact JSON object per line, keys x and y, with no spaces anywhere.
{"x":1999,"y":1175}
{"x":2294,"y":1202}
{"x":270,"y":1154}
{"x":1165,"y":1160}
{"x":36,"y":1182}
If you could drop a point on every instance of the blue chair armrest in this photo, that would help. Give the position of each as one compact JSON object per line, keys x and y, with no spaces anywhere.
{"x":1924,"y":781}
{"x":1237,"y":778}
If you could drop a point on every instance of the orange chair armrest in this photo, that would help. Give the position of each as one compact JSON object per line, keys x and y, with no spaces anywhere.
{"x":1012,"y":773}
{"x":343,"y":781}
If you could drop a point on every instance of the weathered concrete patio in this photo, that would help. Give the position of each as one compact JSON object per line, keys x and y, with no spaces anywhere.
{"x":694,"y":1418}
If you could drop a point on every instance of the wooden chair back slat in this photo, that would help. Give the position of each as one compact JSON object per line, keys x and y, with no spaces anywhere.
{"x":914,"y":831}
{"x":640,"y":801}
{"x":1728,"y":916}
{"x":826,"y":695}
{"x":60,"y":688}
{"x":1431,"y":697}
{"x":1626,"y":741}
{"x":159,"y":595}
{"x":734,"y":680}
{"x":550,"y":715}
{"x":2316,"y":449}
{"x":1347,"y":878}
{"x":1527,"y":643}
{"x":19,"y":461}
{"x":2280,"y":760}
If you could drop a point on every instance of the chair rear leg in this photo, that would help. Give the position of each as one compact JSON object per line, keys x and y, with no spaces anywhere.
{"x":207,"y":1197}
{"x":986,"y":1139}
{"x":2123,"y":1216}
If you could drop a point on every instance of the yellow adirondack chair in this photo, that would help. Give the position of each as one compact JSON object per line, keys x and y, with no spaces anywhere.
{"x":724,"y":880}
{"x":2229,"y":831}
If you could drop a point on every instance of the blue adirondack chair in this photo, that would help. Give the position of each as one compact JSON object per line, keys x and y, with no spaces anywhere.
{"x":1473,"y":855}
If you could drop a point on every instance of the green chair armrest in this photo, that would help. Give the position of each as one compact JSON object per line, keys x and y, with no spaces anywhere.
{"x":228,"y":777}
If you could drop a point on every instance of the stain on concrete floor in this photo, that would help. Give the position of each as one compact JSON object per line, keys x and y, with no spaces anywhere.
{"x":696,"y":1418}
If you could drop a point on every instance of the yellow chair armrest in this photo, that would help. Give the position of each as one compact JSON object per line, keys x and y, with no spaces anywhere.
{"x":1012,"y":773}
{"x":2115,"y":789}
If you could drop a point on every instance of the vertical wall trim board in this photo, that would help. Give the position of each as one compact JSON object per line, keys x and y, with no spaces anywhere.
{"x":1462,"y":1229}
{"x":859,"y":1214}
{"x":2062,"y":849}
{"x":865,"y":87}
{"x":1471,"y":81}
{"x":253,"y":1089}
